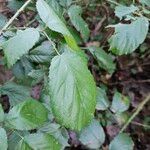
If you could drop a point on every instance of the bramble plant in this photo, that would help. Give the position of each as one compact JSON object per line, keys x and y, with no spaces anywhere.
{"x":51,"y":54}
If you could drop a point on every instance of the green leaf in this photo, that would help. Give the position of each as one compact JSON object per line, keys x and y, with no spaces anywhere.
{"x":27,"y":115}
{"x":1,"y":113}
{"x":121,"y":11}
{"x":74,"y":13}
{"x":3,"y":20}
{"x":128,"y":37}
{"x":120,"y":103}
{"x":42,"y":54}
{"x":57,"y":131}
{"x":22,"y":146}
{"x":22,"y":68}
{"x":3,"y":139}
{"x":16,"y":93}
{"x":38,"y":141}
{"x":102,"y":100}
{"x":14,"y":138}
{"x":19,"y":45}
{"x":37,"y":76}
{"x":146,"y":2}
{"x":15,"y":4}
{"x":56,"y":7}
{"x":104,"y":60}
{"x":92,"y":136}
{"x":121,"y":142}
{"x":54,"y":22}
{"x":65,"y":3}
{"x":72,"y":89}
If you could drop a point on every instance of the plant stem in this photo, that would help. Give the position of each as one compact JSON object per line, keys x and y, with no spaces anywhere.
{"x":139,"y":108}
{"x":15,"y":16}
{"x":113,"y":2}
{"x":140,"y":124}
{"x":51,"y":42}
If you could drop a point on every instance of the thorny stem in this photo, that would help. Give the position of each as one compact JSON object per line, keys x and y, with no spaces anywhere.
{"x":51,"y":42}
{"x":139,"y":108}
{"x":15,"y":16}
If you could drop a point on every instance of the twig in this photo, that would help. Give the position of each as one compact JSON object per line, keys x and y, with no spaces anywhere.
{"x":15,"y":16}
{"x":140,"y":124}
{"x":51,"y":42}
{"x":131,"y":81}
{"x":139,"y":108}
{"x":113,"y":2}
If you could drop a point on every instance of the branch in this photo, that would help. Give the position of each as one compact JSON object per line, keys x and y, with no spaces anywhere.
{"x":139,"y":108}
{"x":15,"y":16}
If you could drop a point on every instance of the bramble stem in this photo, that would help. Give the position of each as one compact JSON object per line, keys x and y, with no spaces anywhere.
{"x":51,"y":42}
{"x":139,"y":108}
{"x":113,"y":2}
{"x":15,"y":16}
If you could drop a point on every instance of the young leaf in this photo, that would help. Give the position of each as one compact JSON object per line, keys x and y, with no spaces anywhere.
{"x":1,"y":113}
{"x":38,"y":141}
{"x":74,"y":13}
{"x":27,"y":115}
{"x":120,"y":103}
{"x":52,"y":20}
{"x":121,"y":142}
{"x":104,"y":60}
{"x":92,"y":136}
{"x":121,"y":11}
{"x":3,"y":139}
{"x":19,"y":45}
{"x":16,"y":93}
{"x":102,"y":100}
{"x":72,"y":90}
{"x":128,"y":37}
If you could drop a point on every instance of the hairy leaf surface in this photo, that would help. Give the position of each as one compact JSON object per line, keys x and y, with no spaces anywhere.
{"x":54,"y":22}
{"x":128,"y":37}
{"x":38,"y":141}
{"x":27,"y":115}
{"x":121,"y":142}
{"x":74,"y":13}
{"x":19,"y":45}
{"x":92,"y":136}
{"x":121,"y":11}
{"x":72,"y":89}
{"x":3,"y":139}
